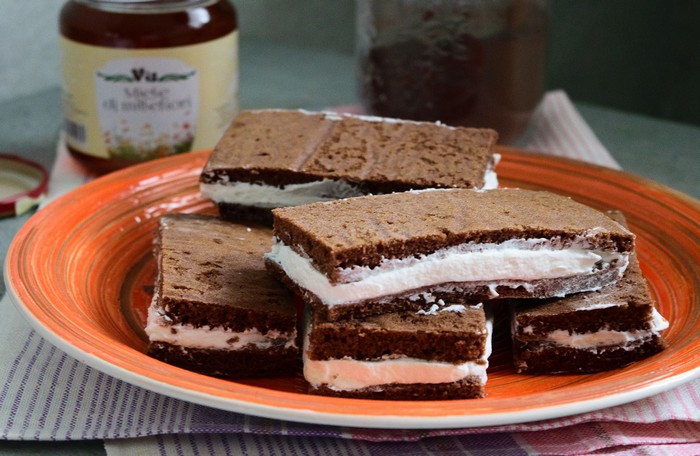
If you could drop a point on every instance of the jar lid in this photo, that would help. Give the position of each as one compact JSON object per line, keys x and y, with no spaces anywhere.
{"x":23,"y":185}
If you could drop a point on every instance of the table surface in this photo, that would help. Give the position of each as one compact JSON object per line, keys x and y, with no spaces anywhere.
{"x":276,"y":75}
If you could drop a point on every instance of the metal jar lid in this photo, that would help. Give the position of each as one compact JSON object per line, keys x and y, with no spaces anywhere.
{"x":23,"y":185}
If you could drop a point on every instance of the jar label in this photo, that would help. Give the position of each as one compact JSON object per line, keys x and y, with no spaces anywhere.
{"x":147,"y":107}
{"x":138,"y":104}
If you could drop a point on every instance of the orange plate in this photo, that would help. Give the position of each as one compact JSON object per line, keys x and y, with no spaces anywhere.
{"x":80,"y":271}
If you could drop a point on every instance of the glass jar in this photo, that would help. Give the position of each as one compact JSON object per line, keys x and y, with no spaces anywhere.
{"x":143,"y":79}
{"x":462,"y":62}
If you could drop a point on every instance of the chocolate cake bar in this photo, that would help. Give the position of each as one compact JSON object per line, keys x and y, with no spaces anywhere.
{"x":588,"y":332}
{"x":437,"y":354}
{"x":378,"y":254}
{"x":215,"y":309}
{"x":279,"y":158}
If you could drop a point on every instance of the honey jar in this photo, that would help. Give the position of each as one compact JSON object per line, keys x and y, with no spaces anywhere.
{"x":144,"y":79}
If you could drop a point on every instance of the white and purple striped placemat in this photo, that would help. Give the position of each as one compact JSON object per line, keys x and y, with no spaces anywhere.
{"x":46,"y":395}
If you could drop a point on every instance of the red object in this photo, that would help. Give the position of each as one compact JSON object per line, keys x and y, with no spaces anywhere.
{"x":23,"y":184}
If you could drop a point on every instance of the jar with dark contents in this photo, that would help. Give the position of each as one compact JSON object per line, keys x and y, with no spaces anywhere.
{"x":144,"y":79}
{"x":477,"y":63}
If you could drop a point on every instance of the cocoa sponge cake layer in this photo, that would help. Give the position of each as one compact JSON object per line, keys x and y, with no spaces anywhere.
{"x":215,"y":308}
{"x":446,"y":333}
{"x":370,"y":254}
{"x":279,"y":158}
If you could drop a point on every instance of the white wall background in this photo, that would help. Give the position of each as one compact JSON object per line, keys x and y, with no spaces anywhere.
{"x":29,"y":54}
{"x":29,"y":60}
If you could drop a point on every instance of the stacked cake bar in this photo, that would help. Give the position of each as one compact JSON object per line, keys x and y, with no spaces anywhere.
{"x":588,"y":332}
{"x":279,"y":158}
{"x":441,"y":353}
{"x":215,"y":309}
{"x":394,"y":282}
{"x":368,"y":255}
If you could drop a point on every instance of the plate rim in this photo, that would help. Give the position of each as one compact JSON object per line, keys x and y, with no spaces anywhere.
{"x":342,"y":419}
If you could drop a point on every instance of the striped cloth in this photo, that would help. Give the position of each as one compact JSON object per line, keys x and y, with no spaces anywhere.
{"x":46,"y":395}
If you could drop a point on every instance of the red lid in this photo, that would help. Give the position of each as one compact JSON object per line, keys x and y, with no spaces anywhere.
{"x":23,"y":184}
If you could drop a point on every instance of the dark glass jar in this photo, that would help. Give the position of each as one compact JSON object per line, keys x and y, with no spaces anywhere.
{"x":462,"y":62}
{"x":146,"y":79}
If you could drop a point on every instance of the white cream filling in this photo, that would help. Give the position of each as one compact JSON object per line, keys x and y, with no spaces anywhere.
{"x":440,"y":306}
{"x":349,"y":374}
{"x":269,"y":196}
{"x":491,"y":177}
{"x":159,"y":329}
{"x":605,"y":337}
{"x":602,"y":305}
{"x":515,"y":260}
